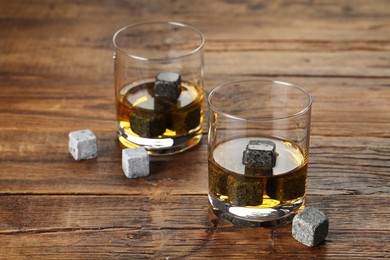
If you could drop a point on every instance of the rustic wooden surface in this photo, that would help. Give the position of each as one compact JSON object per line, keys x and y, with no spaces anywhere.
{"x":56,"y":76}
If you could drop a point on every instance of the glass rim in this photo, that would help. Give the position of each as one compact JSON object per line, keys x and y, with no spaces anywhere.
{"x":171,"y":23}
{"x":261,"y":119}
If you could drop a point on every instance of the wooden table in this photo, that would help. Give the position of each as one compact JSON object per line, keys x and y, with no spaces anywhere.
{"x":56,"y":76}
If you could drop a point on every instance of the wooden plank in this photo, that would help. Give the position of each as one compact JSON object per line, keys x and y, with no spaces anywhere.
{"x":359,"y":108}
{"x":338,"y":165}
{"x":29,"y":214}
{"x":190,"y":244}
{"x":325,"y":20}
{"x":269,"y":63}
{"x":96,"y":226}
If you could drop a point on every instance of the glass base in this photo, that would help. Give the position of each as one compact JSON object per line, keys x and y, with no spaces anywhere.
{"x":255,"y":217}
{"x":161,"y":146}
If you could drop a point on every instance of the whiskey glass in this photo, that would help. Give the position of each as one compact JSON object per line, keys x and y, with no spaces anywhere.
{"x":258,"y":147}
{"x":159,"y":71}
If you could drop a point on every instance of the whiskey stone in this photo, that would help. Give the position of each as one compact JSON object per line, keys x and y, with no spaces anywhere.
{"x":168,"y":84}
{"x":287,"y":187}
{"x":147,"y":123}
{"x":82,"y":144}
{"x":258,"y":171}
{"x":310,"y":226}
{"x":243,"y":191}
{"x":135,"y":162}
{"x":260,"y":154}
{"x":165,"y":105}
{"x":184,"y":119}
{"x":217,"y":180}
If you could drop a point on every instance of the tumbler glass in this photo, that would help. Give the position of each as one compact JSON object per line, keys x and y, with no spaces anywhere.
{"x":159,"y":86}
{"x":258,"y":150}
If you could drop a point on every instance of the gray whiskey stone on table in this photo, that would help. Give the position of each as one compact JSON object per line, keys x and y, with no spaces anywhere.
{"x":135,"y":162}
{"x":260,"y":154}
{"x":82,"y":144}
{"x":168,"y":85}
{"x":310,"y":226}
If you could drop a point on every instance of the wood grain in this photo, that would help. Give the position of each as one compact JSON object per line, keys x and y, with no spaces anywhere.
{"x":334,"y":168}
{"x":159,"y":224}
{"x":29,"y":213}
{"x":56,"y":76}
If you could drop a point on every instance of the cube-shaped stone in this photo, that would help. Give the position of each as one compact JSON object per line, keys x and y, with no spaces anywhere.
{"x":168,"y":85}
{"x":217,"y":180}
{"x":310,"y":226}
{"x":258,"y":171}
{"x":288,"y":186}
{"x":260,"y":154}
{"x":186,"y":118}
{"x":165,"y":105}
{"x":244,"y":191}
{"x":82,"y":144}
{"x":135,"y":162}
{"x":147,"y":123}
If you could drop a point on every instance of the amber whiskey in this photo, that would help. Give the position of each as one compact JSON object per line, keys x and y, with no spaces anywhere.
{"x":237,"y":186}
{"x":149,"y":120}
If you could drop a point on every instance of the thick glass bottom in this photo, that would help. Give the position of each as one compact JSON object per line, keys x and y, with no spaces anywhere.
{"x":255,"y":216}
{"x":161,"y":146}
